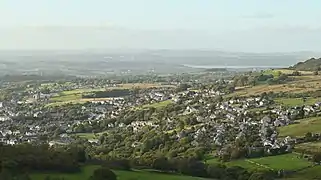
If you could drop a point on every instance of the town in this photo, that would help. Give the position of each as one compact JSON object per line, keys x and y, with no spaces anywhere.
{"x":186,"y":118}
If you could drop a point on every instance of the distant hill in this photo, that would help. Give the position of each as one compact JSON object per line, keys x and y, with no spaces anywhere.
{"x":308,"y":65}
{"x":105,"y":62}
{"x":216,"y":70}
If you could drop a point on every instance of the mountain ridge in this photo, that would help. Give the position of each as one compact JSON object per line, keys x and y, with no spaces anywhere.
{"x":312,"y":64}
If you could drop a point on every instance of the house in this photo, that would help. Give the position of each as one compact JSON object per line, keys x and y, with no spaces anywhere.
{"x":4,"y":118}
{"x":93,"y":141}
{"x":37,"y":114}
{"x":39,"y":96}
{"x":189,"y":110}
{"x":317,"y":104}
{"x":266,"y":120}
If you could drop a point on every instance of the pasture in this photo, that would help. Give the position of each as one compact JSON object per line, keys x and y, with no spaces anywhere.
{"x":244,"y":163}
{"x":297,"y":101}
{"x":86,"y":135}
{"x":300,"y":84}
{"x":275,"y":72}
{"x":75,"y":96}
{"x":72,"y":95}
{"x":158,"y":104}
{"x":284,"y":161}
{"x":121,"y":175}
{"x":309,"y":146}
{"x":303,"y":126}
{"x":90,"y":135}
{"x":258,"y":90}
{"x":312,"y":173}
{"x":140,"y":86}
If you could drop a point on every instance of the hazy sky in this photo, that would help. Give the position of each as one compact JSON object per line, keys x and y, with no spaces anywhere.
{"x":232,"y":25}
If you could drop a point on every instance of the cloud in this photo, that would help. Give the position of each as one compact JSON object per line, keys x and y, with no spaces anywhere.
{"x":260,"y":15}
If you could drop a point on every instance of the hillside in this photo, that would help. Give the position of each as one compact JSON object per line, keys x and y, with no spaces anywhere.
{"x":308,"y":65}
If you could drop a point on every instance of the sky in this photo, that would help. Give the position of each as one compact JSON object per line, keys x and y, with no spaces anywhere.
{"x":229,"y":25}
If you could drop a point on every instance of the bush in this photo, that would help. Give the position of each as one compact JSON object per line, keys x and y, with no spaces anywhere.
{"x":103,"y":174}
{"x":121,"y":164}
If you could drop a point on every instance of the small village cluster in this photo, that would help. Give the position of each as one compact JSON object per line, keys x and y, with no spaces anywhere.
{"x":214,"y":119}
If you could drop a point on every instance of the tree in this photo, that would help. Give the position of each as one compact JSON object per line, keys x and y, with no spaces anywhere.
{"x":308,"y":136}
{"x":316,"y":73}
{"x":161,"y":163}
{"x":103,"y":174}
{"x":237,"y":153}
{"x":235,"y":172}
{"x":244,"y":80}
{"x":260,"y":176}
{"x":219,"y":98}
{"x":182,"y":87}
{"x":119,"y":164}
{"x":316,"y":158}
{"x":296,"y":73}
{"x":215,"y":171}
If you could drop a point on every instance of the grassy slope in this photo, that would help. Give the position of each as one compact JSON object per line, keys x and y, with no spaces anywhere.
{"x":158,"y":104}
{"x":297,"y":101}
{"x":122,"y":175}
{"x":86,"y":135}
{"x":304,"y":83}
{"x":75,"y":96}
{"x":285,"y":161}
{"x":286,"y":71}
{"x":310,"y":146}
{"x":90,"y":135}
{"x":257,"y":90}
{"x":242,"y":163}
{"x":313,"y":173}
{"x":312,"y":125}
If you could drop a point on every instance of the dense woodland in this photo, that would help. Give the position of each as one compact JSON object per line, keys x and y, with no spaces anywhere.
{"x":22,"y":159}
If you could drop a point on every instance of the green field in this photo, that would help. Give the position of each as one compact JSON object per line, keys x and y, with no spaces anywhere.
{"x":90,"y":135}
{"x":73,"y":97}
{"x":310,"y":146}
{"x":312,"y":125}
{"x":60,"y":103}
{"x":80,"y":91}
{"x":72,"y":94}
{"x":241,"y":163}
{"x":312,"y":173}
{"x":86,"y":135}
{"x":158,"y":104}
{"x":275,"y":72}
{"x":296,"y":101}
{"x":69,"y":96}
{"x":121,"y":175}
{"x":258,"y":109}
{"x":285,"y":161}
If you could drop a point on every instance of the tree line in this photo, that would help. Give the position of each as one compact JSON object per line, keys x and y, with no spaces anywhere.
{"x":19,"y":160}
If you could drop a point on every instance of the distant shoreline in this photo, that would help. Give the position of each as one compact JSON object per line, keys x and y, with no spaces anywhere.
{"x":231,"y":67}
